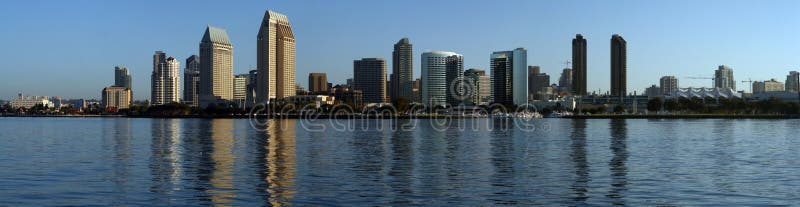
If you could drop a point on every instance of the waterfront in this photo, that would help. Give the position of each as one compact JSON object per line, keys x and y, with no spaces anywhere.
{"x":170,"y":162}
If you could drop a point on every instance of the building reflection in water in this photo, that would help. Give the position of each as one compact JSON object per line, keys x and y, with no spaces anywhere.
{"x":279,"y":163}
{"x":121,"y":132}
{"x":578,"y":155}
{"x":402,"y":165}
{"x":165,"y":158}
{"x":222,"y":188}
{"x":617,"y":165}
{"x":502,"y":159}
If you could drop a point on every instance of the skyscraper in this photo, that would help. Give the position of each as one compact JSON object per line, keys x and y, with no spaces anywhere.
{"x":480,"y":88}
{"x":122,"y":77}
{"x":240,"y":89}
{"x":510,"y":76}
{"x":191,"y":81}
{"x":250,"y":97}
{"x":565,"y":81}
{"x":369,"y":76}
{"x":165,"y":80}
{"x":537,"y":82}
{"x":440,"y":72}
{"x":793,"y":81}
{"x":579,"y":65}
{"x":318,"y":83}
{"x":275,"y":58}
{"x":216,"y":67}
{"x":619,"y":66}
{"x":723,"y":78}
{"x":669,"y":84}
{"x":402,"y":70}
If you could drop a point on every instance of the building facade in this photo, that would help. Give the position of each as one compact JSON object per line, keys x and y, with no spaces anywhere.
{"x":479,"y":89}
{"x":668,"y":84}
{"x":793,"y":81}
{"x":619,"y":66}
{"x":122,"y":77}
{"x":767,"y":86}
{"x":318,"y":83}
{"x":28,"y":102}
{"x":510,"y":76}
{"x":440,"y":71}
{"x":240,"y":89}
{"x":565,"y":81}
{"x":216,"y":67}
{"x":723,"y":78}
{"x":115,"y":98}
{"x":369,"y":76}
{"x":191,"y":81}
{"x":165,"y":80}
{"x":275,"y":58}
{"x":579,"y":65}
{"x":402,"y":70}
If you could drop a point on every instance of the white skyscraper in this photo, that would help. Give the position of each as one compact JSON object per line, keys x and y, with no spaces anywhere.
{"x":165,"y":79}
{"x":275,"y":58}
{"x":510,"y":76}
{"x":440,"y":70}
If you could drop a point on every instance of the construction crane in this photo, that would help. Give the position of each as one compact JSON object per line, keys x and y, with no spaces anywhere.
{"x":567,"y":63}
{"x":750,"y":83}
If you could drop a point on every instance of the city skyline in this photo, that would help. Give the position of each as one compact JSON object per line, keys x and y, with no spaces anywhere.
{"x":721,"y":42}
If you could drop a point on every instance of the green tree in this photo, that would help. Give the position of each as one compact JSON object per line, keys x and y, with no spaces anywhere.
{"x":619,"y":109}
{"x":654,"y":104}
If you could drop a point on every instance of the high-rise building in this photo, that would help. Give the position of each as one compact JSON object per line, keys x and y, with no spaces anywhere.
{"x":369,"y":76}
{"x":240,"y":89}
{"x":116,"y":97}
{"x":619,"y":66}
{"x":723,"y":78}
{"x":767,"y":86}
{"x":538,"y":83}
{"x":191,"y":81}
{"x":441,"y":73}
{"x":402,"y":70}
{"x":252,"y":81}
{"x":668,"y":85}
{"x":565,"y":81}
{"x":165,"y":79}
{"x":793,"y":81}
{"x":216,"y":67}
{"x":318,"y":83}
{"x":275,"y":58}
{"x":579,"y":65}
{"x":510,"y":77}
{"x":480,"y":90}
{"x":415,"y":89}
{"x":122,"y":77}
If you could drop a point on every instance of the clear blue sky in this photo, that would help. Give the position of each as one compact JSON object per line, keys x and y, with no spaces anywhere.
{"x":69,"y":48}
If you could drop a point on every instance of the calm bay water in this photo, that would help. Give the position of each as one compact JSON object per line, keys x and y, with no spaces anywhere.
{"x":171,"y":162}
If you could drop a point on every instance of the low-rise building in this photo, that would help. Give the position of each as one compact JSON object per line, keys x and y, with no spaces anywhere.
{"x":767,"y":86}
{"x":27,"y":102}
{"x":318,"y":100}
{"x":115,"y":98}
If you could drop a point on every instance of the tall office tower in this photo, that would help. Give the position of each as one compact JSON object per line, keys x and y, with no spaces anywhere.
{"x":240,"y":89}
{"x":565,"y":81}
{"x":723,"y":78}
{"x":480,"y":88}
{"x":793,"y":81}
{"x":191,"y":81}
{"x":216,"y":67}
{"x":532,"y":72}
{"x":369,"y":76}
{"x":541,"y":83}
{"x":402,"y":70}
{"x":668,"y":85}
{"x":165,"y":80}
{"x":318,"y":83}
{"x":122,"y":77}
{"x":118,"y":97}
{"x":579,"y":65}
{"x":276,"y":58}
{"x":252,"y":81}
{"x":509,"y":77}
{"x":619,"y":66}
{"x":440,"y":72}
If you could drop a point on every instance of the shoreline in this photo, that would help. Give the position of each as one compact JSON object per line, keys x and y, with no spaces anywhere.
{"x":351,"y":116}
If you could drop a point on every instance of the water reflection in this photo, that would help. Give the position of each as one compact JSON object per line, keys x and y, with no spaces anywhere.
{"x":617,"y":165}
{"x":222,"y":183}
{"x":578,"y":154}
{"x":401,"y":166}
{"x":121,"y":133}
{"x":502,"y":161}
{"x":165,"y":157}
{"x":280,"y":162}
